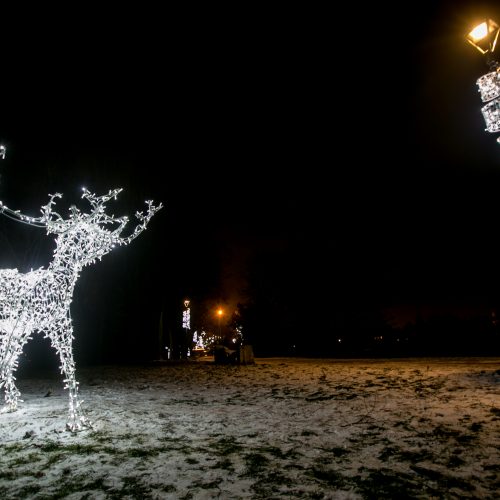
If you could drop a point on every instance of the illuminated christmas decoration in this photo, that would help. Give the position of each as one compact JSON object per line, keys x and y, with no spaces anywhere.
{"x":39,"y":301}
{"x":186,"y":324}
{"x":489,"y":87}
{"x":186,"y":316}
{"x":198,"y":340}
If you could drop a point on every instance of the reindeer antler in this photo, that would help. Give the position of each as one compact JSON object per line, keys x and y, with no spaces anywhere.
{"x":99,"y":215}
{"x":55,"y":223}
{"x":49,"y":214}
{"x":44,"y":221}
{"x":98,"y":201}
{"x":144,"y":218}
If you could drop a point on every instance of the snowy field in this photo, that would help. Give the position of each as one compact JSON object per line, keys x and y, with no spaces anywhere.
{"x":283,"y":428}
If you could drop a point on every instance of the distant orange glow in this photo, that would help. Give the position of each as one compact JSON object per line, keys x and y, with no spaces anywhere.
{"x":220,"y":312}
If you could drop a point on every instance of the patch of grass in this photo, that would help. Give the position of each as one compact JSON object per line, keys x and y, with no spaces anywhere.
{"x":142,"y":452}
{"x":476,"y":426}
{"x":405,"y":424}
{"x":208,"y":486}
{"x":101,"y":438}
{"x":22,"y":460}
{"x":168,"y":439}
{"x":494,"y":467}
{"x":442,"y":432}
{"x":387,"y":452}
{"x":80,"y":449}
{"x":277,"y":453}
{"x":251,"y":435}
{"x":133,"y":487}
{"x":8,"y":475}
{"x":29,"y":490}
{"x":384,"y":483}
{"x":168,"y":488}
{"x":255,"y":464}
{"x":12,"y":448}
{"x":308,"y":433}
{"x":111,"y":450}
{"x":269,"y":485}
{"x":54,"y":458}
{"x":331,"y":477}
{"x":455,"y":461}
{"x":224,"y":464}
{"x":465,"y":439}
{"x":442,"y":479}
{"x":412,"y":456}
{"x":415,"y":455}
{"x":76,"y":483}
{"x":337,"y":451}
{"x":226,"y":446}
{"x":50,"y":446}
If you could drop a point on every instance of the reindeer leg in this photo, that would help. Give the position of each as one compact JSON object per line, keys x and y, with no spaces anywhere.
{"x":62,"y":341}
{"x":11,"y":349}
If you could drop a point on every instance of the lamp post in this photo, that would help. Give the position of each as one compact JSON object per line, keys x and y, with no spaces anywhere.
{"x":220,"y":312}
{"x":484,"y":38}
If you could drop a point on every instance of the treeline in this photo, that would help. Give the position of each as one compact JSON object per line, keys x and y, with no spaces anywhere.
{"x":370,"y":335}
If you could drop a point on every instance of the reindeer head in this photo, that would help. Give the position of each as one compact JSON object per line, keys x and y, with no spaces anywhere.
{"x":85,"y":237}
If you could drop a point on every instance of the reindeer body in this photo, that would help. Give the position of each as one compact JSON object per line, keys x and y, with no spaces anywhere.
{"x":39,"y":301}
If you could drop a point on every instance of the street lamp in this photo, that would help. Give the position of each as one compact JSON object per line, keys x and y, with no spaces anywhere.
{"x":484,"y":38}
{"x":220,"y":312}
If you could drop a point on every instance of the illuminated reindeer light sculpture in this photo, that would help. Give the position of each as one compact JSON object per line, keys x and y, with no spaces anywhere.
{"x":40,"y":300}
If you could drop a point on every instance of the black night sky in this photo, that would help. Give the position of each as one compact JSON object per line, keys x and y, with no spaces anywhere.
{"x":321,"y":168}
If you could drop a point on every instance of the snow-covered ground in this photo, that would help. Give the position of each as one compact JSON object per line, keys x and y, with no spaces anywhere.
{"x":283,"y":428}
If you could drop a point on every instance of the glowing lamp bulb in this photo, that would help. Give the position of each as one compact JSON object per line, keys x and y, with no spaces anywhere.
{"x":479,"y":32}
{"x":484,"y":36}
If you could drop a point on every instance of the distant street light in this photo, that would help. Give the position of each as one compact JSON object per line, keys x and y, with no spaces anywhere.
{"x":484,"y":38}
{"x":220,"y":312}
{"x":2,"y":152}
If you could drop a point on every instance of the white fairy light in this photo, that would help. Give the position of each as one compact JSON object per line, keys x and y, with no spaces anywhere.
{"x":186,"y":319}
{"x":489,"y":87}
{"x":40,"y":300}
{"x":186,"y":324}
{"x":200,"y":340}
